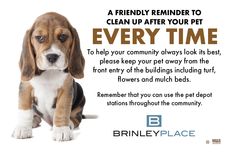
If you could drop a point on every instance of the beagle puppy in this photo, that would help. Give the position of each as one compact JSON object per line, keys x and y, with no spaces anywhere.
{"x":50,"y":58}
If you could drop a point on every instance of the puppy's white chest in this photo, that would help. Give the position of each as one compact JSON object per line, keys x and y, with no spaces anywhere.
{"x":45,"y":90}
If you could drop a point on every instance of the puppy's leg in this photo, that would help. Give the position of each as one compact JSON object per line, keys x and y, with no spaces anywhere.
{"x":76,"y":114}
{"x":61,"y":120}
{"x":25,"y":112}
{"x":78,"y":104}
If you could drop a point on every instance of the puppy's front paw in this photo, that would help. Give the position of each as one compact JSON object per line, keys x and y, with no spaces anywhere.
{"x":22,"y":132}
{"x":62,"y":133}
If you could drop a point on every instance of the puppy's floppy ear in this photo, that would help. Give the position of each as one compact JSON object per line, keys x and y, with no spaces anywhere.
{"x":76,"y":59}
{"x":27,"y":59}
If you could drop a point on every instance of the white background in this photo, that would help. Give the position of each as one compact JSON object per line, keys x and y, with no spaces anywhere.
{"x":214,"y":120}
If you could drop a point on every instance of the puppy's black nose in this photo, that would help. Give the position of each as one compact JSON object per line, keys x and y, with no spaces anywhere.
{"x":52,"y":58}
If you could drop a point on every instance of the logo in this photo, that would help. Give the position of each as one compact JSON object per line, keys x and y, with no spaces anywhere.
{"x":154,"y":121}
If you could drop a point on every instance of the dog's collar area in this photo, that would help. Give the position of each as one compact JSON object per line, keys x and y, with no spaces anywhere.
{"x":39,"y":72}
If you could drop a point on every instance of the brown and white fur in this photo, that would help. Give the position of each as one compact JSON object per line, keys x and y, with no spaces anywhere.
{"x":50,"y":58}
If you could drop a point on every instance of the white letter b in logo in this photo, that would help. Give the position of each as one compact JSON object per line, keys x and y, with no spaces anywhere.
{"x":154,"y":120}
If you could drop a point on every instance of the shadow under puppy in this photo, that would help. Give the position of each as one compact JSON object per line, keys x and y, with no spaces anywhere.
{"x":50,"y":58}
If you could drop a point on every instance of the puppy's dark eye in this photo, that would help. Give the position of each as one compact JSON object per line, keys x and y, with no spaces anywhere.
{"x":40,"y":38}
{"x":62,"y":37}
